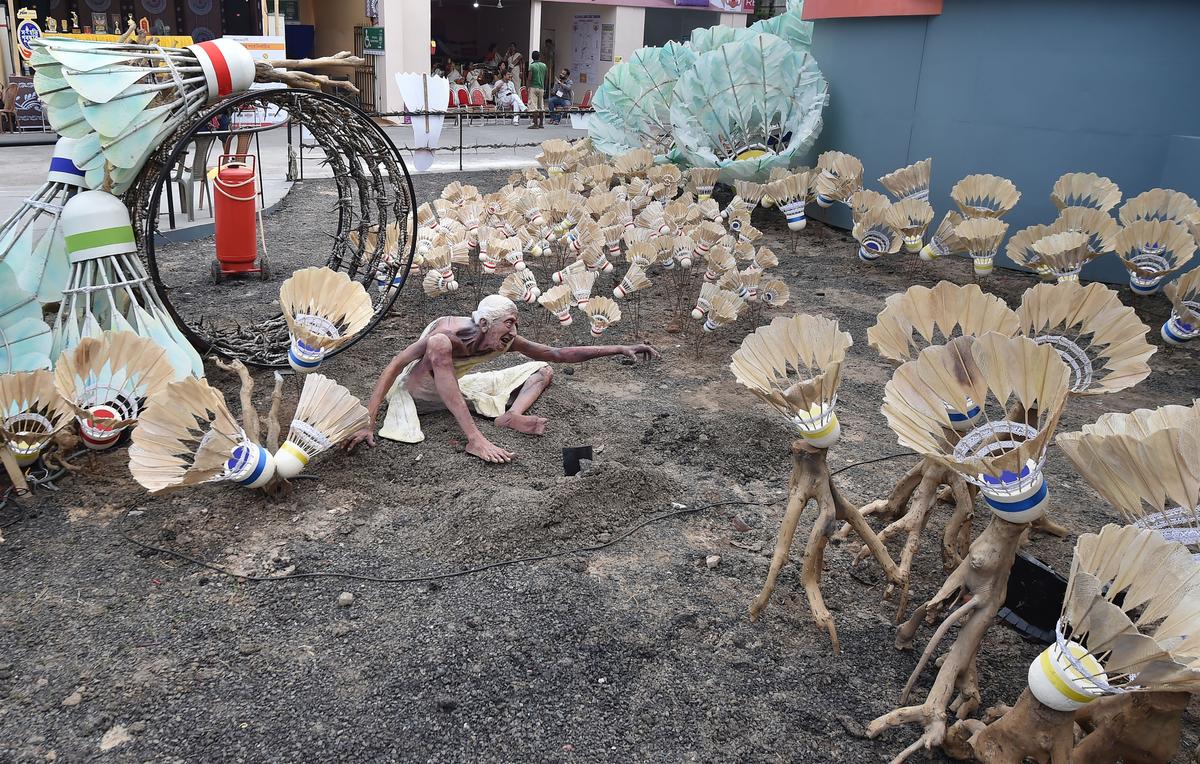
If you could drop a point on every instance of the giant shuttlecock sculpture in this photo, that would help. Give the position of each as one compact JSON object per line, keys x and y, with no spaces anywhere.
{"x":944,"y":241}
{"x":324,"y":310}
{"x":1184,"y":323}
{"x":633,"y":103}
{"x":747,"y":107}
{"x":875,"y":234}
{"x":1158,"y":204}
{"x":1020,"y":249}
{"x":108,"y":288}
{"x":122,"y":100}
{"x":1101,"y":340}
{"x":985,"y":196}
{"x":912,"y":320}
{"x":790,"y":194}
{"x":107,"y":380}
{"x":326,"y":415}
{"x":602,"y":312}
{"x":186,"y":436}
{"x":31,"y":240}
{"x":1098,"y":226}
{"x":1085,"y":189}
{"x":911,"y":182}
{"x":31,"y":412}
{"x":1123,"y":665}
{"x":1063,"y":255}
{"x":1144,"y":465}
{"x":1151,"y":250}
{"x":1003,"y":458}
{"x":25,"y":339}
{"x":794,"y":364}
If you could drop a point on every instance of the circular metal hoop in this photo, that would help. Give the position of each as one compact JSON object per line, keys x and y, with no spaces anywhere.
{"x":374,"y":191}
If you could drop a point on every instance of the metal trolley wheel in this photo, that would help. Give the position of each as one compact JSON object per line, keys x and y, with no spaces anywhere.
{"x":374,"y":190}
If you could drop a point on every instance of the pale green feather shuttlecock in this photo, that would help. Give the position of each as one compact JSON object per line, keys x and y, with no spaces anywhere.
{"x":633,"y":103}
{"x":747,"y":107}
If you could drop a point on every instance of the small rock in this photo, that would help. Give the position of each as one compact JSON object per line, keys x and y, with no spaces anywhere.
{"x":341,"y":629}
{"x":604,"y":538}
{"x":52,"y":756}
{"x":703,"y":438}
{"x":137,"y":727}
{"x":627,"y":362}
{"x":568,"y":370}
{"x":712,"y":561}
{"x":136,"y":513}
{"x":114,"y":737}
{"x":345,"y":599}
{"x":447,"y":704}
{"x":248,"y":648}
{"x":852,"y":727}
{"x":73,"y":699}
{"x":739,"y":524}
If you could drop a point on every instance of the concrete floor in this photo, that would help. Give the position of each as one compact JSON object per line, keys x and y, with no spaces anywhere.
{"x":23,"y":168}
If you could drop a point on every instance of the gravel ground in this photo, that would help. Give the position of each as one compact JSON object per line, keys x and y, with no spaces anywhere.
{"x":639,"y":651}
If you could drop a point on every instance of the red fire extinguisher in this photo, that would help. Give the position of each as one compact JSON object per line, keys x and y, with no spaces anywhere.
{"x":235,"y":213}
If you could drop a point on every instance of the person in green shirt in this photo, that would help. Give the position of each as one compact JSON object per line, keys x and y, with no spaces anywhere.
{"x":537,"y":91}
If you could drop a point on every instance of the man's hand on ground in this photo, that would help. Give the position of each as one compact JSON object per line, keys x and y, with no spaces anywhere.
{"x":639,"y":352}
{"x":365,"y":435}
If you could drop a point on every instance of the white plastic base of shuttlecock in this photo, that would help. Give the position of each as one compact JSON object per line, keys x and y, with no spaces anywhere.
{"x":1149,"y":259}
{"x":1175,"y":524}
{"x":250,"y":466}
{"x":931,"y":251}
{"x":1144,"y":285}
{"x":983,"y":265}
{"x":303,"y":443}
{"x":962,"y":421}
{"x":1016,"y":498}
{"x":564,"y":317}
{"x":823,"y":201}
{"x":703,"y":193}
{"x":819,"y":428}
{"x":1176,"y":332}
{"x":913,"y":244}
{"x":598,"y":328}
{"x":1068,"y":277}
{"x":1075,"y":357}
{"x":793,"y":212}
{"x":1058,"y":684}
{"x":869,"y":252}
{"x":99,"y":436}
{"x":303,"y":358}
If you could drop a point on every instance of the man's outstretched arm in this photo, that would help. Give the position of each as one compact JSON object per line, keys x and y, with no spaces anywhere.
{"x":540,"y":352}
{"x":386,"y":379}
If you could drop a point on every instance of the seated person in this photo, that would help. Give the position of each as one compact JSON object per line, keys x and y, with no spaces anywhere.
{"x":507,"y":96}
{"x":560,"y":95}
{"x":434,"y":373}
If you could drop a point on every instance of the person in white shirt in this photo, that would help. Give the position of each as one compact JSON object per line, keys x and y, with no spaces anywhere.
{"x":507,"y":97}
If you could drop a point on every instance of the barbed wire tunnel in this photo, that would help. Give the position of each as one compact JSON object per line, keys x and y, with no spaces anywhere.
{"x":371,"y":237}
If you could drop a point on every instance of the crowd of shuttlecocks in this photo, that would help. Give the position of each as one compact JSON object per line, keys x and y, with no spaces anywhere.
{"x":583,"y":218}
{"x":1154,"y":234}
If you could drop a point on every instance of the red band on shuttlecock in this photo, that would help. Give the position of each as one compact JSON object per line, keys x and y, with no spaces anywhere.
{"x":220,"y":68}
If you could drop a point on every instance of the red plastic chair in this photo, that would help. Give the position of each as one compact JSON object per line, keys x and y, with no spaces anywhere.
{"x":586,"y":103}
{"x":525,"y":96}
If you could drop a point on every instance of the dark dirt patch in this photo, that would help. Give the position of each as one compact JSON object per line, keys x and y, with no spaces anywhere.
{"x":638,"y":652}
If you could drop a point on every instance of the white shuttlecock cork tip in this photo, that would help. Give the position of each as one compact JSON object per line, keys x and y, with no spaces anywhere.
{"x":62,"y":166}
{"x":96,"y":224}
{"x":227,"y":66}
{"x":1056,"y":683}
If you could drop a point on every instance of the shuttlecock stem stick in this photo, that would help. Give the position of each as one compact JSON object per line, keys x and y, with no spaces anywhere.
{"x":249,"y":413}
{"x":982,"y":581}
{"x":273,"y":427}
{"x":810,"y":480}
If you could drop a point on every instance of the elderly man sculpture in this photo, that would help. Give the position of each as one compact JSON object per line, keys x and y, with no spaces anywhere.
{"x":433,"y":373}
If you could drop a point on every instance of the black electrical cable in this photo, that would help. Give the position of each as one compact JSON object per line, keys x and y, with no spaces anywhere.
{"x":479,"y":569}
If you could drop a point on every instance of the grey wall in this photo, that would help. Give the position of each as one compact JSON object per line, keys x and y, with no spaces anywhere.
{"x":666,"y":24}
{"x":1026,"y":89}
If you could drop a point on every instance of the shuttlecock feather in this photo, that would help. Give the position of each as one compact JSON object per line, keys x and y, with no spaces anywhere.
{"x":326,"y":415}
{"x":324,"y":310}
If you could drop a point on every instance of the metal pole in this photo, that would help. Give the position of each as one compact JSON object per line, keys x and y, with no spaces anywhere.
{"x":460,"y":143}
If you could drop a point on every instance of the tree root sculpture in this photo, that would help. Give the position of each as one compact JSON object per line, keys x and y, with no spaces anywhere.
{"x":982,"y":581}
{"x":908,"y":509}
{"x":810,"y":480}
{"x":1028,"y":730}
{"x":1135,"y":728}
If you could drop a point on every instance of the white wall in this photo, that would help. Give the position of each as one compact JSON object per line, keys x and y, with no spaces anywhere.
{"x":629,"y":24}
{"x":406,"y":26}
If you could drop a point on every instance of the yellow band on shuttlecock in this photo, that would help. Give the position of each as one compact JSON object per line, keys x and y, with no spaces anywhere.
{"x":821,"y":433}
{"x":1058,"y":682}
{"x":296,"y":451}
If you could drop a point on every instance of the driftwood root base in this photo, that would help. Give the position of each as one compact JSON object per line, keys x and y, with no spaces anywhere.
{"x":810,"y":480}
{"x":909,"y":508}
{"x":982,"y":581}
{"x":1137,"y":728}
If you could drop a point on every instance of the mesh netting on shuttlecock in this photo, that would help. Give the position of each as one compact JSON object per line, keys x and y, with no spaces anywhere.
{"x":633,"y":103}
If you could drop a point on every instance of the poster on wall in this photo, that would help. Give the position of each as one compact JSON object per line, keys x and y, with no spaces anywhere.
{"x":608,"y":33}
{"x":585,"y":47}
{"x":30,"y":115}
